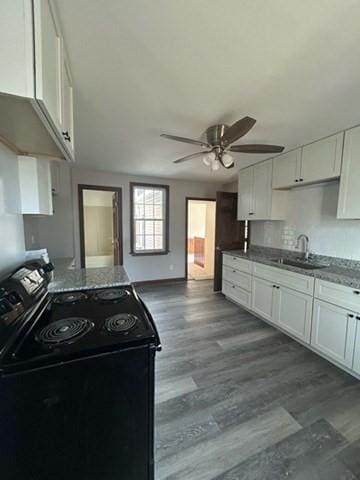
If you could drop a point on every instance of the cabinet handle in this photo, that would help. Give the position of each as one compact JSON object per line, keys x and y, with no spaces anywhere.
{"x":66,"y":136}
{"x":301,"y":179}
{"x":251,"y":213}
{"x":350,"y":315}
{"x":296,"y":180}
{"x":234,"y":271}
{"x":357,"y":317}
{"x":357,"y":292}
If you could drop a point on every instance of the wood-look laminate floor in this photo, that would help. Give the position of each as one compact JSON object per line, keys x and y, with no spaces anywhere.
{"x":236,"y":399}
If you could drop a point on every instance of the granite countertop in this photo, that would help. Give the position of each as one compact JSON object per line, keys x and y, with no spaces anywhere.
{"x":338,"y":270}
{"x":67,"y":278}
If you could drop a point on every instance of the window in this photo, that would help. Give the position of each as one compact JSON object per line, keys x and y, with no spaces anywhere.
{"x":149,"y":209}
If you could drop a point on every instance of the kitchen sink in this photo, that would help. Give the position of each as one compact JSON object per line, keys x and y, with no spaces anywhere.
{"x":299,"y":264}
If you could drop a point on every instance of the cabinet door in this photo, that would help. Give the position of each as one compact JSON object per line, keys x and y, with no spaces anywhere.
{"x":67,"y":127}
{"x":293,"y":312}
{"x":16,"y":52}
{"x":349,"y":193}
{"x":322,"y":160}
{"x":245,"y":194}
{"x":333,"y":332}
{"x":262,"y":298}
{"x":262,"y":191}
{"x":48,"y":62}
{"x":356,"y":364}
{"x":286,"y":170}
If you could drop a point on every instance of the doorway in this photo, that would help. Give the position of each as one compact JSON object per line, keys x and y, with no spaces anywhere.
{"x":100,"y":226}
{"x":200,"y":238}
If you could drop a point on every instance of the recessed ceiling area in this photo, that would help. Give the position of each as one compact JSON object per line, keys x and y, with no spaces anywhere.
{"x":146,"y":67}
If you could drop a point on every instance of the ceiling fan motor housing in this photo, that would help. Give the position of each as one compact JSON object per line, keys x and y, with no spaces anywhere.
{"x":215,"y":132}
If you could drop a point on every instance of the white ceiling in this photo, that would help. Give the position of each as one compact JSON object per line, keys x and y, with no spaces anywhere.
{"x":143,"y":67}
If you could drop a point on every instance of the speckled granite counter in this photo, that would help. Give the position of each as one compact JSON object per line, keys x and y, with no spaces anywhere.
{"x":66,"y":278}
{"x":338,"y":270}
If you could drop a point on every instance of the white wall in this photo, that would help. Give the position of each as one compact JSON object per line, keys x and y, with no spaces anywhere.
{"x":54,"y":232}
{"x":197,"y":219}
{"x":146,"y":267}
{"x":12,"y":248}
{"x":312,"y":210}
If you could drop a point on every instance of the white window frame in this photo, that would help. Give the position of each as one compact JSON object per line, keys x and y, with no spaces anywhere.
{"x":134,"y":218}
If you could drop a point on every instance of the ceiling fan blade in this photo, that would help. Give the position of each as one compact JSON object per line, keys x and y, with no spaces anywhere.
{"x":189,"y":157}
{"x":238,"y":130}
{"x":184,"y":140}
{"x":253,"y":148}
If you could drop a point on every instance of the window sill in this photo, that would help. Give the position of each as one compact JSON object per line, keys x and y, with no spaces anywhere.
{"x":144,"y":254}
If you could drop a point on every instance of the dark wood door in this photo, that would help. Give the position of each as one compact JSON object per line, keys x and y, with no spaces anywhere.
{"x":116,"y":228}
{"x":230,"y":234}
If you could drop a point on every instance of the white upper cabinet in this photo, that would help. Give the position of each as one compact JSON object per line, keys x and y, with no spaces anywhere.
{"x":48,"y":62}
{"x":35,"y":186}
{"x":16,"y":52}
{"x":245,"y":193}
{"x":67,"y":125}
{"x":34,"y":113}
{"x":317,"y":162}
{"x":256,"y":199}
{"x":322,"y":160}
{"x":286,"y":169}
{"x":262,"y":190}
{"x":349,"y":193}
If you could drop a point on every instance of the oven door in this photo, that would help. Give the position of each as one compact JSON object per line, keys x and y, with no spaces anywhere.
{"x":87,"y":419}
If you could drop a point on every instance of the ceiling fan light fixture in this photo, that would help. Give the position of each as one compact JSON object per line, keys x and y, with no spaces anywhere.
{"x":215,"y":165}
{"x":227,"y":160}
{"x":209,"y":158}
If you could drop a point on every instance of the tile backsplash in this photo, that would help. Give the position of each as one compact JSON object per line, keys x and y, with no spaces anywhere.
{"x":312,"y":211}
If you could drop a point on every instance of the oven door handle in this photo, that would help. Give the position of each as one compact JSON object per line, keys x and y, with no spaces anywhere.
{"x":158,"y":346}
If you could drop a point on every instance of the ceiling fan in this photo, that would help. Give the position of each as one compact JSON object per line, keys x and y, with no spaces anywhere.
{"x":219,"y":140}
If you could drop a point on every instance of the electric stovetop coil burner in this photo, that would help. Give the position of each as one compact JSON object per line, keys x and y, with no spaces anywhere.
{"x":64,"y":331}
{"x":120,"y":323}
{"x":70,"y":298}
{"x":114,"y":295}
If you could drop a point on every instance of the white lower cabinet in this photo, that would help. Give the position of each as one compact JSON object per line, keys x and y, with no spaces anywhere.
{"x":356,"y":363}
{"x":292,"y":312}
{"x":333,"y":332}
{"x":326,"y":317}
{"x":262,"y":298}
{"x":234,"y":292}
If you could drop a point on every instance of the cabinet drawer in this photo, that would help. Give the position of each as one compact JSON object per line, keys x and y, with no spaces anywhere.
{"x":238,"y":278}
{"x":236,"y":293}
{"x":346,"y":297}
{"x":301,"y":283}
{"x":237,"y":263}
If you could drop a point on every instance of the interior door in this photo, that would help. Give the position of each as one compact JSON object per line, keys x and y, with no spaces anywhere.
{"x":116,"y":235}
{"x":230,"y":234}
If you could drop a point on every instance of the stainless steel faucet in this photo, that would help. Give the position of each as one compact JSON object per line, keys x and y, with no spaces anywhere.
{"x":306,"y":244}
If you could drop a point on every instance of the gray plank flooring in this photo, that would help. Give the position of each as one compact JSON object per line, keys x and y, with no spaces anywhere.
{"x":238,"y":400}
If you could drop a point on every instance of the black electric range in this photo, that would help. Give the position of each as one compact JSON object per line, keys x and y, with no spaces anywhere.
{"x":76,"y":382}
